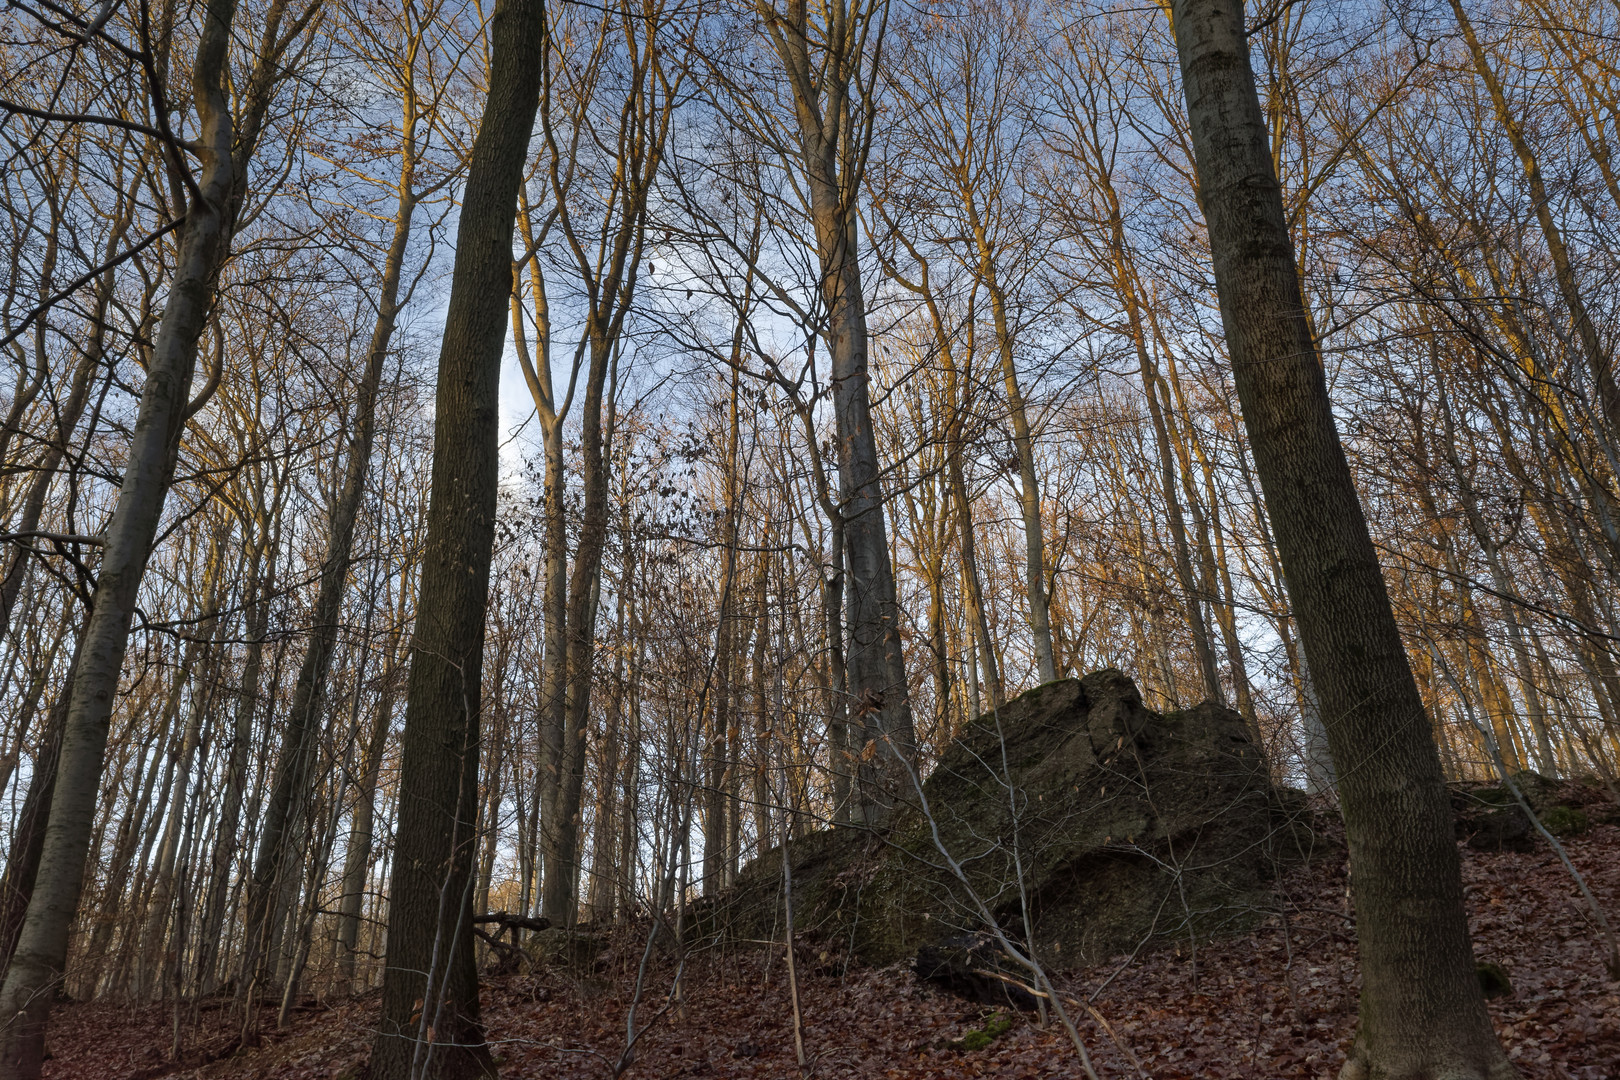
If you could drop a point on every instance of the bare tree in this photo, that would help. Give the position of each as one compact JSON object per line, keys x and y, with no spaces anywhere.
{"x":430,"y":1018}
{"x":1422,"y":1013}
{"x":225,"y":144}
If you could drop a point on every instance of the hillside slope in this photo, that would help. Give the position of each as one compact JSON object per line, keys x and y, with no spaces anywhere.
{"x":1275,"y":1002}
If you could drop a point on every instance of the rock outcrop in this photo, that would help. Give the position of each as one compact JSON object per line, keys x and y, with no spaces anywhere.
{"x":1078,"y":819}
{"x":1489,"y":818}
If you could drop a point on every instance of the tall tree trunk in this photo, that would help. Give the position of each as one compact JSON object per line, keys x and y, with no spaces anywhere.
{"x":629,"y":836}
{"x":303,"y":722}
{"x":972,"y":585}
{"x":560,"y":893}
{"x":761,"y":794}
{"x":607,"y":852}
{"x":824,"y":65}
{"x":608,"y":263}
{"x":551,"y":412}
{"x":1191,"y":596}
{"x":1422,"y":1014}
{"x":1506,"y":595}
{"x":835,"y":680}
{"x":256,"y":605}
{"x":1029,"y":491}
{"x":717,"y":809}
{"x":430,"y":1024}
{"x":149,"y":962}
{"x":224,"y":145}
{"x":357,"y":856}
{"x":28,"y":834}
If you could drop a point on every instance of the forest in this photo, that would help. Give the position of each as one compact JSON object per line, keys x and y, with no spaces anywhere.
{"x":521,"y":512}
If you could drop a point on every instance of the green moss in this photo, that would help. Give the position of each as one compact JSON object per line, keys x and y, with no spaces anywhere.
{"x":979,"y":1038}
{"x":1565,"y":821}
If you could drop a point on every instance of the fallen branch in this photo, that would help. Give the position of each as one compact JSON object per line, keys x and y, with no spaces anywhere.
{"x":1112,"y":1035}
{"x":509,"y":922}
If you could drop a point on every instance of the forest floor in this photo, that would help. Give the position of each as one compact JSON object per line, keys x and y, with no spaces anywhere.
{"x":1277,"y":1002}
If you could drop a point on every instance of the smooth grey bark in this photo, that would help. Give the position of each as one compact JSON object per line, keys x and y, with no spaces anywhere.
{"x":604,"y":839}
{"x":835,"y":680}
{"x":149,"y":962}
{"x":718,"y":810}
{"x":28,"y":832}
{"x":1422,"y":1016}
{"x":256,"y":607}
{"x":430,"y":1026}
{"x":629,"y":847}
{"x":608,"y":262}
{"x":551,"y":413}
{"x":825,"y":68}
{"x":973,"y":602}
{"x":1320,"y":775}
{"x":288,"y":791}
{"x":1029,"y":490}
{"x":362,"y":835}
{"x":224,"y":144}
{"x":760,"y":787}
{"x":1501,"y":586}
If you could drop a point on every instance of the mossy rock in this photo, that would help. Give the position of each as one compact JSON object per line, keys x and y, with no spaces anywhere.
{"x":574,"y":951}
{"x":1128,"y":826}
{"x":1565,"y":820}
{"x":1542,"y":793}
{"x":1493,"y":797}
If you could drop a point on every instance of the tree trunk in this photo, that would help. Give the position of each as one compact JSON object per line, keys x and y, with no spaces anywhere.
{"x":149,"y":962}
{"x":973,"y":601}
{"x":717,"y":809}
{"x":256,"y":604}
{"x":303,"y":722}
{"x":824,"y":66}
{"x":357,"y":856}
{"x":224,"y":147}
{"x":1192,"y":597}
{"x":554,"y":603}
{"x":1506,"y":596}
{"x":430,"y":1018}
{"x":1029,"y":492}
{"x":608,"y":264}
{"x":1422,"y":1014}
{"x":28,"y":836}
